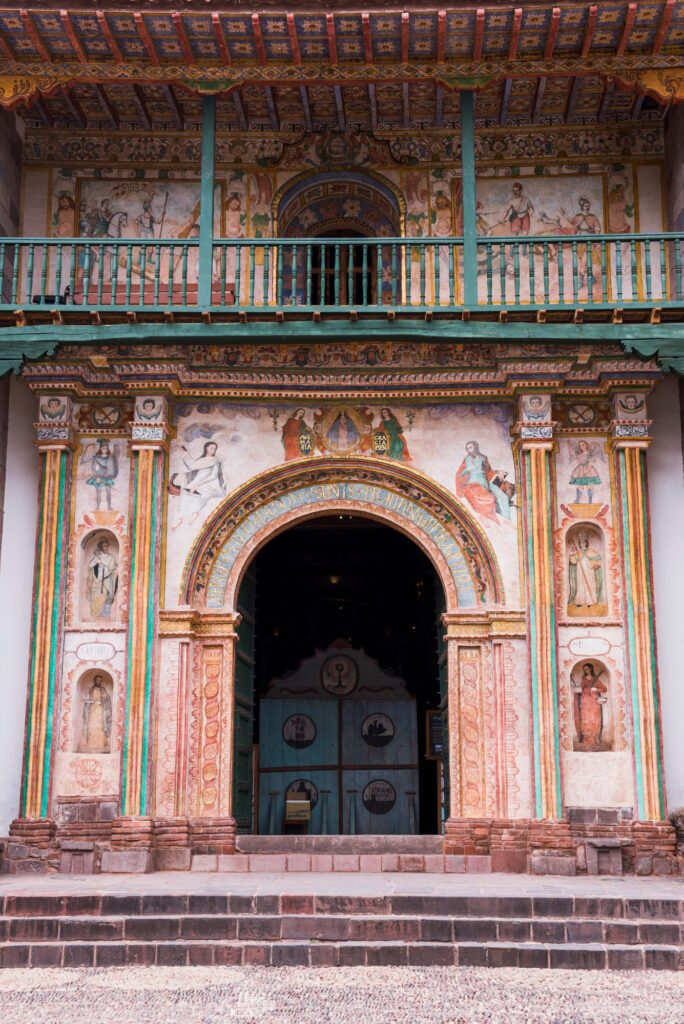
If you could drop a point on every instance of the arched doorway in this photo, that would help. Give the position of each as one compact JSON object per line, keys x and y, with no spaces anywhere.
{"x":302,"y":491}
{"x":358,"y":209}
{"x":338,"y":662}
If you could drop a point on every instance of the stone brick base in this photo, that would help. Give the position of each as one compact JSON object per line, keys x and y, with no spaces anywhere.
{"x":592,"y":841}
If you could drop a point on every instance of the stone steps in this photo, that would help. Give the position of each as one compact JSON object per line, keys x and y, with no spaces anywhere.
{"x":327,"y":930}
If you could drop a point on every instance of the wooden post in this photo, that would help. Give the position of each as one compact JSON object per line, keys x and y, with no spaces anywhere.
{"x":469,"y":214}
{"x":206,"y":232}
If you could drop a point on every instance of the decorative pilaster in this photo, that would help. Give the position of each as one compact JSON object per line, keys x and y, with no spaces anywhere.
{"x":535,"y":444}
{"x":55,"y":443}
{"x":630,"y":442}
{"x":149,"y":431}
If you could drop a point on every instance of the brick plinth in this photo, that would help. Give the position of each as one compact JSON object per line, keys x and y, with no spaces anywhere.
{"x":212,"y":835}
{"x":468,"y":836}
{"x":32,"y":847}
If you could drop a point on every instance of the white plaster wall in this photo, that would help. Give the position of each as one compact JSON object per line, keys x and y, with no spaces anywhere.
{"x":666,"y":488}
{"x":16,"y":589}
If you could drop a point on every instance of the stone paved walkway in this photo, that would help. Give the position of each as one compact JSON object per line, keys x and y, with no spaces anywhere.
{"x":352,"y":884}
{"x":375,"y":995}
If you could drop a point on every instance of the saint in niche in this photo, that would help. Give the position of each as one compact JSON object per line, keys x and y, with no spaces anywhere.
{"x":585,"y":576}
{"x":104,"y":469}
{"x":486,"y":489}
{"x":102,"y":583}
{"x":589,"y":700}
{"x":395,"y":445}
{"x":585,"y":475}
{"x":96,"y":724}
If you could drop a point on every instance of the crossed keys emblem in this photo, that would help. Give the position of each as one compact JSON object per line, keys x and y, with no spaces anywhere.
{"x":106,"y":416}
{"x":581,"y":415}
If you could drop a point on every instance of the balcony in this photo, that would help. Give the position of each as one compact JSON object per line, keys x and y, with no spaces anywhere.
{"x":601,"y":277}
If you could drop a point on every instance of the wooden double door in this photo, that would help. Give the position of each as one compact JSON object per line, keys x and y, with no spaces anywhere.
{"x":354,"y":759}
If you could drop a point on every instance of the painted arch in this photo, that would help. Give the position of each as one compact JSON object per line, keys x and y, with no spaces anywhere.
{"x":395,"y":495}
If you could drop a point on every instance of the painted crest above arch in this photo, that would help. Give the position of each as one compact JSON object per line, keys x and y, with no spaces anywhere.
{"x":396,"y":495}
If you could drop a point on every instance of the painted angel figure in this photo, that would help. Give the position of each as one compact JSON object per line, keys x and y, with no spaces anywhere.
{"x":585,"y":475}
{"x":104,"y":469}
{"x":201,"y":481}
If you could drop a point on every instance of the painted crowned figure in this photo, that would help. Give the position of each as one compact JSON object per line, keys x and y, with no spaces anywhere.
{"x":585,"y":575}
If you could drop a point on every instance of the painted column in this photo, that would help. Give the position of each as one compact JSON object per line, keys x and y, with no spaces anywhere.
{"x":535,"y":445}
{"x":206,"y":226}
{"x":469,"y":200}
{"x":630,"y":441}
{"x":55,"y":443}
{"x":149,"y":431}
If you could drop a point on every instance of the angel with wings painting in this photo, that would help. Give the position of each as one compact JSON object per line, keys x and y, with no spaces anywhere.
{"x":104,"y":469}
{"x":585,"y":475}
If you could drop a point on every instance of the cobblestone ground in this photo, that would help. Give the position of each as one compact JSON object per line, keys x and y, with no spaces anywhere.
{"x":350,"y":995}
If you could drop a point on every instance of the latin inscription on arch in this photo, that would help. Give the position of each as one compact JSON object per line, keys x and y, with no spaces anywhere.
{"x":380,"y":498}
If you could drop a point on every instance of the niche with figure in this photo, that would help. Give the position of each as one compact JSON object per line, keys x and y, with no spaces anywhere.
{"x":93,"y":713}
{"x":592,"y":707}
{"x":99,"y":577}
{"x":584,"y":552}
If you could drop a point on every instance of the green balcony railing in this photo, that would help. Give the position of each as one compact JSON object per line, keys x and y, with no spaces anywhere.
{"x":328,"y":274}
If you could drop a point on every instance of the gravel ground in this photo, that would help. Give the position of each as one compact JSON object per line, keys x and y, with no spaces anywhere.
{"x":348,"y":995}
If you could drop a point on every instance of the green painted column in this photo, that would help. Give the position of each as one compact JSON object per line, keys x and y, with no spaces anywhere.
{"x":207,"y":173}
{"x":469,"y":215}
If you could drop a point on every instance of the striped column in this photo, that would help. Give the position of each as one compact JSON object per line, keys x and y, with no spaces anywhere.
{"x":630,"y":442}
{"x":55,"y":442}
{"x":535,"y":445}
{"x":148,"y":453}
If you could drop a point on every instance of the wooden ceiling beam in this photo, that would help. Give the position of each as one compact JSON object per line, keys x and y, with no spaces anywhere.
{"x":176,"y":109}
{"x":44,"y":111}
{"x":240,"y":107}
{"x":664,"y":25}
{"x":539,"y":99}
{"x":637,"y":105}
{"x":182,"y":37}
{"x":73,"y":38}
{"x":572,"y":99}
{"x":627,"y":29}
{"x":589,"y":29}
{"x":258,"y":39}
{"x":6,"y":49}
{"x":515,"y":33}
{"x":372,"y":99}
{"x":553,"y":32}
{"x":35,"y":36}
{"x":441,"y":36}
{"x":332,"y":41}
{"x":109,"y":37}
{"x":404,"y":38}
{"x":479,"y":34}
{"x":605,"y":101}
{"x":272,"y":109}
{"x":75,"y":108}
{"x":294,"y":41}
{"x":405,"y":103}
{"x":367,"y":41}
{"x":339,"y":103}
{"x":142,"y":106}
{"x":308,"y":120}
{"x":505,"y":100}
{"x":107,"y":106}
{"x":439,"y":105}
{"x":220,"y":38}
{"x":145,"y":38}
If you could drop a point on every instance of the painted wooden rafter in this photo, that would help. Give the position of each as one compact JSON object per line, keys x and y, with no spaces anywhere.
{"x":294,"y":41}
{"x":664,"y":25}
{"x":258,"y":39}
{"x":145,"y":39}
{"x":175,"y":107}
{"x":109,"y":36}
{"x":73,"y":38}
{"x":367,"y":41}
{"x":182,"y":37}
{"x":220,"y":38}
{"x":548,"y":54}
{"x":107,"y":105}
{"x":142,"y":106}
{"x":332,"y":41}
{"x":75,"y":108}
{"x":306,"y":104}
{"x":34,"y":35}
{"x":240,"y":108}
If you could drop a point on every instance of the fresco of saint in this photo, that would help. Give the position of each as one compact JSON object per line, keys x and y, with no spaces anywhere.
{"x":96,"y":726}
{"x":103,"y":580}
{"x":104,"y":469}
{"x":484,"y":488}
{"x":585,"y":475}
{"x":397,"y":448}
{"x":297,"y":436}
{"x":585,"y":576}
{"x":590,"y":697}
{"x":202,"y":481}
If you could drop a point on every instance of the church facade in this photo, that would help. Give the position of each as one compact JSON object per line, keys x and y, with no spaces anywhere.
{"x":274,"y":276}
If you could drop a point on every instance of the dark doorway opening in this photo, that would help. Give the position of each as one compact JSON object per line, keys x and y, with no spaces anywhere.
{"x":343,"y":274}
{"x":347,"y":578}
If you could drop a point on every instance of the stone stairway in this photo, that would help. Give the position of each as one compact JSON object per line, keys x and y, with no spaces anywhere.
{"x":106,"y":929}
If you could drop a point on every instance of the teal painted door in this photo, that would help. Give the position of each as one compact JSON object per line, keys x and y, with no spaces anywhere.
{"x":355,"y":759}
{"x":243,"y":770}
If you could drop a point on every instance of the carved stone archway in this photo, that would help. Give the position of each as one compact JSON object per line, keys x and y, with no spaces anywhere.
{"x":402,"y":498}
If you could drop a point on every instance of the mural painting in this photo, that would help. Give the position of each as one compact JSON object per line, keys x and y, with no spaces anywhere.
{"x":589,"y":683}
{"x":102,"y":460}
{"x":487,"y":490}
{"x":102,"y":577}
{"x":586,"y":584}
